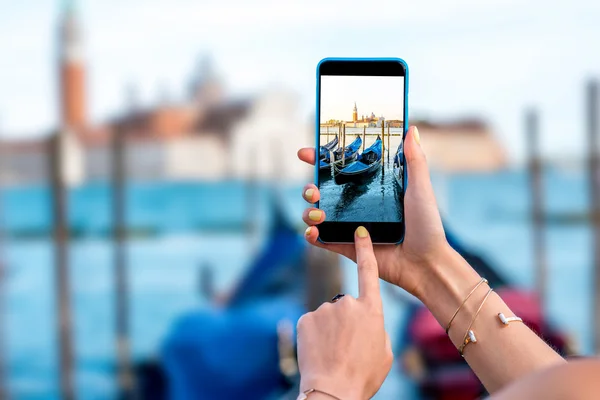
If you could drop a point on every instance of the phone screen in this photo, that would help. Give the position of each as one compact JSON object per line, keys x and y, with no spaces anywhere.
{"x":361,"y":161}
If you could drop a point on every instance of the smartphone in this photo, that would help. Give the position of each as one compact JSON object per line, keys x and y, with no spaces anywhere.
{"x":361,"y":122}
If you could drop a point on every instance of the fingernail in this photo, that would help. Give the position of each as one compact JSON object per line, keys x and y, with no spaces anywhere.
{"x":307,"y":231}
{"x":315,"y":215}
{"x":361,"y":232}
{"x":309,"y":194}
{"x":416,"y":135}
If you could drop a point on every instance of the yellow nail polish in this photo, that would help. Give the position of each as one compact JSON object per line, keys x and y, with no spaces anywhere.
{"x":309,"y":194}
{"x":416,"y":135}
{"x":361,"y":232}
{"x":307,"y":231}
{"x":315,"y":215}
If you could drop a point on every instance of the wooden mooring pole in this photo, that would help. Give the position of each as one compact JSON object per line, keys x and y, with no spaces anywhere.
{"x":389,"y":143}
{"x":3,"y":284}
{"x":537,"y":204}
{"x":364,"y":136}
{"x":327,"y":127}
{"x":594,"y":182}
{"x":125,"y":377}
{"x":343,"y":149}
{"x":252,"y":193}
{"x":382,"y":144}
{"x":206,"y":283}
{"x":60,"y":234}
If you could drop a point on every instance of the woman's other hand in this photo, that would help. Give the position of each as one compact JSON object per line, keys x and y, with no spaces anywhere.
{"x":343,"y":349}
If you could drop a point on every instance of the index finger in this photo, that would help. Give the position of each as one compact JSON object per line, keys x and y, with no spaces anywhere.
{"x":307,"y":154}
{"x":368,"y":272}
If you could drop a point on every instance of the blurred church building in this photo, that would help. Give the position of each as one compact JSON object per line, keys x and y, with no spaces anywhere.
{"x":207,"y":136}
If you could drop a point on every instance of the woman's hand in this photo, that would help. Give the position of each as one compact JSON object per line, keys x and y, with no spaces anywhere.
{"x":340,"y":345}
{"x":343,"y":349}
{"x":408,"y":264}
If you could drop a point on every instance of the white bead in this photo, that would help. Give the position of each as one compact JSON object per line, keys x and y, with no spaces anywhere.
{"x":503,"y":318}
{"x":472,"y":337}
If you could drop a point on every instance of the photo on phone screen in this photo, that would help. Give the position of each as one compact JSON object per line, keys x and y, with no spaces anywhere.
{"x":361,"y":158}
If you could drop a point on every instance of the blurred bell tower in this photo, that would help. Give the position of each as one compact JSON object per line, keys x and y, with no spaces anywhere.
{"x":71,"y":79}
{"x":206,"y":88}
{"x":71,"y":70}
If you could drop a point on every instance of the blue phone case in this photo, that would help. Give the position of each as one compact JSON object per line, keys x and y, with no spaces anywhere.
{"x":404,"y":128}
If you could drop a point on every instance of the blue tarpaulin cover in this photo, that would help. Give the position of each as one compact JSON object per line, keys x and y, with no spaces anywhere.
{"x":231,"y":352}
{"x":349,"y":151}
{"x":369,"y":156}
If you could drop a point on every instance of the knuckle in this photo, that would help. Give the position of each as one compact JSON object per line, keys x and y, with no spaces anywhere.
{"x":346,"y":301}
{"x":368,"y":265}
{"x":348,"y":298}
{"x":324,"y":308}
{"x":389,"y":359}
{"x":303,"y":321}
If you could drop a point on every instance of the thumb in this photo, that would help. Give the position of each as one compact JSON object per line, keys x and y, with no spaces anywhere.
{"x":418,"y":171}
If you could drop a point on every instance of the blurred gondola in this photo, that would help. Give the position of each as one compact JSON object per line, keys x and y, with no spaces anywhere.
{"x":244,"y":347}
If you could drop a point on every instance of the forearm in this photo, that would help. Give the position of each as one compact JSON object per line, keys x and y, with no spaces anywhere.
{"x":502,"y":354}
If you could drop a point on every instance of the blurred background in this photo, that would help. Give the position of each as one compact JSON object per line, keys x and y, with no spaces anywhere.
{"x":150,"y":197}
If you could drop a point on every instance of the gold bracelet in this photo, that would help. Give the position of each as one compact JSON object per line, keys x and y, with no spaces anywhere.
{"x":304,"y":395}
{"x":470,"y":335}
{"x":483,"y":280}
{"x":507,"y":320}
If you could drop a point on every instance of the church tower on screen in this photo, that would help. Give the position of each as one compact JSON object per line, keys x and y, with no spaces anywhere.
{"x":354,"y":113}
{"x":71,"y":71}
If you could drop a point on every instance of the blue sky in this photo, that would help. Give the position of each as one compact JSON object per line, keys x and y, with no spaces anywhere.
{"x":488,"y":58}
{"x":382,"y":95}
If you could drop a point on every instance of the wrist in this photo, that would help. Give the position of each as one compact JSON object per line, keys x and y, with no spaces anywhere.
{"x":343,"y":389}
{"x":448,"y":280}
